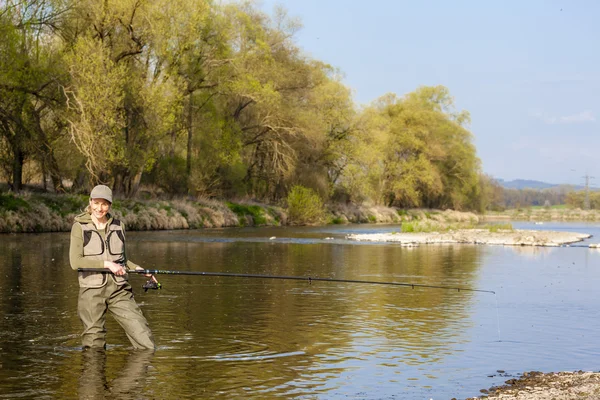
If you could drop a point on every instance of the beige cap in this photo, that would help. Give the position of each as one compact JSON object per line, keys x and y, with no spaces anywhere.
{"x":101,"y":192}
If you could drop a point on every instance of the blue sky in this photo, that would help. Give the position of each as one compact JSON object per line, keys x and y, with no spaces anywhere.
{"x":528,"y":71}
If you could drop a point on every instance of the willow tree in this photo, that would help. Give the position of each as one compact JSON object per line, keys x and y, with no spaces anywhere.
{"x":430,"y":160}
{"x":120,"y":111}
{"x":29,"y":77}
{"x":413,"y":151}
{"x":271,"y":101}
{"x":191,"y":43}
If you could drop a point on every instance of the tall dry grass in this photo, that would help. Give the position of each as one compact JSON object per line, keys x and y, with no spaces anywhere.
{"x":35,"y":212}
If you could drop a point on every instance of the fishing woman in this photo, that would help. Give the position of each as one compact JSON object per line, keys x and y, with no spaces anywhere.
{"x":98,"y":241}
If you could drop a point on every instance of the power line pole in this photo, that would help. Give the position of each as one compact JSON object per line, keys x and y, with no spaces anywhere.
{"x":586,"y":201}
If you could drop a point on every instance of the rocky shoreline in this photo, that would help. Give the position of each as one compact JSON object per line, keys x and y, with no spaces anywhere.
{"x":516,"y":237}
{"x":547,"y":386}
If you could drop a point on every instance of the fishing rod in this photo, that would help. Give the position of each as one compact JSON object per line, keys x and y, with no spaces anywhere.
{"x":309,"y":279}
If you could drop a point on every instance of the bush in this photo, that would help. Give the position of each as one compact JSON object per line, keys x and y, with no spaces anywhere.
{"x":305,"y":207}
{"x":498,"y":227}
{"x":407,"y":227}
{"x":10,"y":202}
{"x":256,"y":213}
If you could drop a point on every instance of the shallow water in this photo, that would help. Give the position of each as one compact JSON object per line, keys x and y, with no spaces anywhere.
{"x":222,"y":337}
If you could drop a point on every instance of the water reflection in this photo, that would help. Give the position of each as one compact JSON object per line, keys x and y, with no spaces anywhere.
{"x":223,"y":337}
{"x":128,"y":382}
{"x":532,"y":252}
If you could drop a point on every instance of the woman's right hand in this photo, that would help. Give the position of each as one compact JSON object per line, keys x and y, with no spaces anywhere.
{"x":115,"y":268}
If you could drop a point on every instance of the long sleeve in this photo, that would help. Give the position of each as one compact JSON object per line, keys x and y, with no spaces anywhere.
{"x":76,"y":251}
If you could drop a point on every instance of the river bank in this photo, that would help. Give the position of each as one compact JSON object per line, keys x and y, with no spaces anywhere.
{"x":543,"y":214}
{"x":550,"y":386}
{"x":45,"y":212}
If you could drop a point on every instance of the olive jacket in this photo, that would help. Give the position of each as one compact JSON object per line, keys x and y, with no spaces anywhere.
{"x":90,"y":247}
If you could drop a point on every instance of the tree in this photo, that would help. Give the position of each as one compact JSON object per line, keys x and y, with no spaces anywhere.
{"x":121,"y":106}
{"x":29,"y":72}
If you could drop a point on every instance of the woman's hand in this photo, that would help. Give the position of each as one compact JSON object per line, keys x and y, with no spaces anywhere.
{"x":146,"y":275}
{"x":115,"y":268}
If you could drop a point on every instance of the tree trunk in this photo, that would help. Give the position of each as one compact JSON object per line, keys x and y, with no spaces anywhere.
{"x":50,"y":164}
{"x":127,"y":182}
{"x":134,"y":184}
{"x":17,"y":170}
{"x":190,"y":131}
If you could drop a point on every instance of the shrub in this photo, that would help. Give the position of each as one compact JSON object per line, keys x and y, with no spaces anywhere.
{"x":9,"y":202}
{"x":498,"y":227}
{"x":244,"y":210}
{"x":336,"y":220}
{"x":407,"y":227}
{"x":304,"y":206}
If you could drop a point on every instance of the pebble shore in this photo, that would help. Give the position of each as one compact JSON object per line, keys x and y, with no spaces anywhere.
{"x":549,"y":386}
{"x":516,"y":237}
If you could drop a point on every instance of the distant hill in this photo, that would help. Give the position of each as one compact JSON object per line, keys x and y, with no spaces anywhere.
{"x":536,"y":185}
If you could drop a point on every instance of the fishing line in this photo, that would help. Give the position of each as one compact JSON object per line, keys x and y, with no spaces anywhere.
{"x":497,"y":317}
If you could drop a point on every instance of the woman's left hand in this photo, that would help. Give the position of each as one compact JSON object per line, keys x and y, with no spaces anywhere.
{"x":146,"y":275}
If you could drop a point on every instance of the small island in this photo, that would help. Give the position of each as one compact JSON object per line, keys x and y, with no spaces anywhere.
{"x":513,"y":237}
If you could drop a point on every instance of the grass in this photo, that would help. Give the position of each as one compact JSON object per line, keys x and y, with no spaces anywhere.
{"x":8,"y":202}
{"x":433,"y":226}
{"x":336,"y":220}
{"x":555,"y":207}
{"x":402,"y":213}
{"x":64,"y":205}
{"x":242,"y":210}
{"x":498,"y":227}
{"x":425,"y":226}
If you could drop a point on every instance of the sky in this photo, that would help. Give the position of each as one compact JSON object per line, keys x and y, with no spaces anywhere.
{"x":528,"y":71}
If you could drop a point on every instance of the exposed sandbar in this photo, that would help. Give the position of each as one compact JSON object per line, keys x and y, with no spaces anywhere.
{"x":515,"y":237}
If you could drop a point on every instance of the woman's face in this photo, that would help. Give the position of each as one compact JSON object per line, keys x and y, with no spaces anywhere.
{"x":99,"y":208}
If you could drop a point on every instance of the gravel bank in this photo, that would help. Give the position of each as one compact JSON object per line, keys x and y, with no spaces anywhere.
{"x":514,"y":237}
{"x":550,"y":386}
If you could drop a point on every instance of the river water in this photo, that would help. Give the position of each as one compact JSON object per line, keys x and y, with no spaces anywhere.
{"x":222,"y":337}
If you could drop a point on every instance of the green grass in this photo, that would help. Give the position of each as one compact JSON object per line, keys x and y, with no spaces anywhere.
{"x":273,"y":213}
{"x":241,"y":210}
{"x":9,"y":202}
{"x":407,"y":227}
{"x":424,"y":227}
{"x":63,"y":205}
{"x":498,"y":227}
{"x":336,"y":221}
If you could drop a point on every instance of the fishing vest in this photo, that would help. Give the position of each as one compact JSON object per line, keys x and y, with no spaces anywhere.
{"x":110,"y":249}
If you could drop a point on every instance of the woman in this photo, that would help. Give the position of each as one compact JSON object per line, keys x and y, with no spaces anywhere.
{"x":98,"y":241}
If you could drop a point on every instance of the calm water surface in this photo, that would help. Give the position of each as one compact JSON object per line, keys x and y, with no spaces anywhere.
{"x":252,"y":338}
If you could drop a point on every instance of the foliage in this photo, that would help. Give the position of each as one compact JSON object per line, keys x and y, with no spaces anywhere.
{"x":214,"y":99}
{"x":304,"y":206}
{"x":8,"y":202}
{"x":497,"y":198}
{"x":256,"y":213}
{"x":498,"y":227}
{"x":578,"y":199}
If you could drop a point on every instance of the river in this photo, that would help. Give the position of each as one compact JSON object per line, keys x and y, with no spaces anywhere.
{"x":223,"y":337}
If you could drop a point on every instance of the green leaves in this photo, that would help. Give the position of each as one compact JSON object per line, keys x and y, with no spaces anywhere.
{"x":215,"y":99}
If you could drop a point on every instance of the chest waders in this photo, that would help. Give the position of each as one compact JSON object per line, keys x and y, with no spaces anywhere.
{"x":101,"y":293}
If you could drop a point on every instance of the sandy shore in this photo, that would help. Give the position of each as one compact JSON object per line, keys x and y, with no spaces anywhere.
{"x":514,"y":237}
{"x":551,"y":386}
